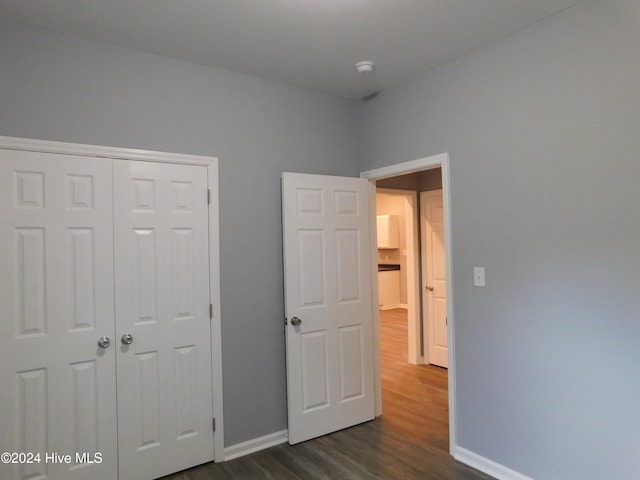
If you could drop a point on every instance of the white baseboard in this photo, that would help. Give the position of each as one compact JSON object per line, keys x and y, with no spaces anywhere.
{"x":487,"y":466}
{"x":496,"y":470}
{"x":391,"y":307}
{"x":255,"y":445}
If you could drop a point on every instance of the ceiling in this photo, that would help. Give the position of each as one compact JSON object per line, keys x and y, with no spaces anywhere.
{"x":311,"y":43}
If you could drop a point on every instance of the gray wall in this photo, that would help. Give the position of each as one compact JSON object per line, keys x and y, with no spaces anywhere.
{"x":57,"y":87}
{"x":542,"y":131}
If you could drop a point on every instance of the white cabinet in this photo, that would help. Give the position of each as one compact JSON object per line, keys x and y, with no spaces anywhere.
{"x":388,"y":232}
{"x":389,"y":289}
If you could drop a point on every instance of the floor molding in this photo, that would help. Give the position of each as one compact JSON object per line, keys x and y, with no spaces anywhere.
{"x":487,"y":466}
{"x":391,"y":306}
{"x":256,"y":444}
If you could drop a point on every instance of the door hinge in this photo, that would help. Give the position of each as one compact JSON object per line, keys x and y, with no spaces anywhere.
{"x":208,"y":196}
{"x":211,"y":310}
{"x":214,"y":424}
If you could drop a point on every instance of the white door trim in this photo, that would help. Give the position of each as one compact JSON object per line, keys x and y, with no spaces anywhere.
{"x":109,"y":153}
{"x":435,"y":161}
{"x":15,"y":143}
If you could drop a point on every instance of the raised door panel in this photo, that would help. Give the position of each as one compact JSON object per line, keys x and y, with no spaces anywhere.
{"x":56,"y":300}
{"x":348,"y":255}
{"x":315,"y":370}
{"x":311,"y":271}
{"x":351,"y":363}
{"x":165,"y":406}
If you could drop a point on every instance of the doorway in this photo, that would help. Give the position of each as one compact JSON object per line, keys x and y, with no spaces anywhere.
{"x":411,"y":267}
{"x":384,"y":176}
{"x":398,"y":262}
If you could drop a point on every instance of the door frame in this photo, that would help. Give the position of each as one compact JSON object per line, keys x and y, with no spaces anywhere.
{"x":426,"y":163}
{"x":211,"y":163}
{"x":412,"y":272}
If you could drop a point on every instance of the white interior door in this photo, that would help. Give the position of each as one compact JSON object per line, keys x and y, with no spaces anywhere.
{"x":327,"y":256}
{"x":165,"y":407}
{"x":58,"y":387}
{"x":434,"y":277}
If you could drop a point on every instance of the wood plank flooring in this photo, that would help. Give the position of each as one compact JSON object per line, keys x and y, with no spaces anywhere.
{"x":414,"y":398}
{"x":410,"y":441}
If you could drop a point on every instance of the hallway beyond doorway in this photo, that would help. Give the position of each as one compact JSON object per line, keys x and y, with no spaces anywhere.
{"x":414,"y":397}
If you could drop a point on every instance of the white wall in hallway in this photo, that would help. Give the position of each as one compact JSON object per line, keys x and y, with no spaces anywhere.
{"x":394,"y":204}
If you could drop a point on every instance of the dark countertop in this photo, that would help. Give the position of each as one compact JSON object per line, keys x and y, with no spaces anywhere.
{"x":388,"y":267}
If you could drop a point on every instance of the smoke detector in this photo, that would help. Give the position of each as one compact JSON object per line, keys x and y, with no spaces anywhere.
{"x":365,"y":66}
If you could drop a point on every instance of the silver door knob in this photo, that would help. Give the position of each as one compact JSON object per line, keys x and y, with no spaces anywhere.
{"x":127,"y":339}
{"x":295,"y":321}
{"x":104,"y":342}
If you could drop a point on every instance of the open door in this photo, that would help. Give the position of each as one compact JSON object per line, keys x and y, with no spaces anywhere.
{"x":327,"y":263}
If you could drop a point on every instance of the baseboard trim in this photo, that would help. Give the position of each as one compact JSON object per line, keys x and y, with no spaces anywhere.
{"x":496,"y":470}
{"x":487,"y":466}
{"x":256,"y":444}
{"x":391,"y":307}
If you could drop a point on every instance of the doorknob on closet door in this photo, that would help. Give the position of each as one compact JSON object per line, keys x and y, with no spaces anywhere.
{"x":430,"y":288}
{"x":127,"y":339}
{"x":104,"y":342}
{"x":295,"y":321}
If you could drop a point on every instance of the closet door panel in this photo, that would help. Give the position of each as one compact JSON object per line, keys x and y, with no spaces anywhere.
{"x":165,"y":406}
{"x":56,"y":300}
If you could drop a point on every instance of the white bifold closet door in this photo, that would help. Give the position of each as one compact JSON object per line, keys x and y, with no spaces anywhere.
{"x":56,"y":299}
{"x":140,"y":410}
{"x":162,"y":301}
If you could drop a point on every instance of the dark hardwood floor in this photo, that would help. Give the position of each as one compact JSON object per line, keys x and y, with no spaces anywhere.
{"x":410,"y":441}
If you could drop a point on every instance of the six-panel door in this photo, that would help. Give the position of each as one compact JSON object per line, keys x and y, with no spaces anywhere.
{"x":327,"y":287}
{"x":162,"y":301}
{"x":58,"y":387}
{"x":435,"y":275}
